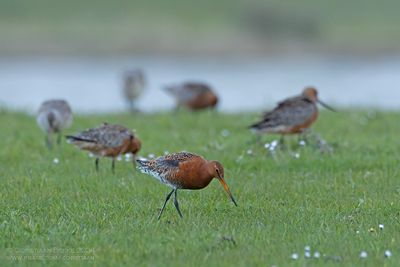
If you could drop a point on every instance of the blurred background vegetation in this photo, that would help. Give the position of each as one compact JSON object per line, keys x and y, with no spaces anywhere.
{"x":198,"y":27}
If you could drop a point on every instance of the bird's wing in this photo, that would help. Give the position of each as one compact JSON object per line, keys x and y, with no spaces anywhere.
{"x":174,"y":159}
{"x":60,"y":105}
{"x":170,"y":162}
{"x":284,"y":103}
{"x":106,"y":135}
{"x":291,"y":112}
{"x":188,"y":91}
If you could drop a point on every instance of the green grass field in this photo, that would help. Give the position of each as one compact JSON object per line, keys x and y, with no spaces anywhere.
{"x":331,"y":202}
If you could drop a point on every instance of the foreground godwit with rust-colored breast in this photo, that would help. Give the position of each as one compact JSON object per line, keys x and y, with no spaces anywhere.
{"x":53,"y":117}
{"x":193,"y":95}
{"x":107,"y":140}
{"x":184,"y":170}
{"x":134,"y":83}
{"x":291,"y":116}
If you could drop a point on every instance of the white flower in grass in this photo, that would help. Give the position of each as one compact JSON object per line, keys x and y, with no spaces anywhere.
{"x":381,"y":226}
{"x":296,"y":155}
{"x":307,"y":254}
{"x":119,"y":158}
{"x":249,"y":152}
{"x":274,"y":144}
{"x":317,"y":255}
{"x":267,"y":145}
{"x":363,"y":254}
{"x":307,"y":248}
{"x":166,"y":152}
{"x":388,"y":254}
{"x":56,"y":161}
{"x":294,"y":256}
{"x":91,"y":155}
{"x":151,"y":156}
{"x":302,"y":142}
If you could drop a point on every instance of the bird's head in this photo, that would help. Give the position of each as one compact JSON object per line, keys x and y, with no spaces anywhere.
{"x":312,"y":94}
{"x":134,"y":145}
{"x":216,"y":169}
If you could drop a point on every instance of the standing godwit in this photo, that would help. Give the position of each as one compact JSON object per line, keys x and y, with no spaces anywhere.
{"x":184,"y":170}
{"x":292,"y":116}
{"x":107,"y":140}
{"x":193,"y":95}
{"x":53,"y":117}
{"x":133,"y":86}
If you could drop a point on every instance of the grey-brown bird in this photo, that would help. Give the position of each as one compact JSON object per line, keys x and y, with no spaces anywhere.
{"x":53,"y":117}
{"x":107,"y":140}
{"x":292,"y":115}
{"x":193,"y":95}
{"x":134,"y":84}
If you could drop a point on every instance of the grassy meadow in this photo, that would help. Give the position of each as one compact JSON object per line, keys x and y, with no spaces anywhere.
{"x":332,"y":202}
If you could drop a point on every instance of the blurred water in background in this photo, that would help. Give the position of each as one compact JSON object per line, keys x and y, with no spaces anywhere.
{"x":93,"y":85}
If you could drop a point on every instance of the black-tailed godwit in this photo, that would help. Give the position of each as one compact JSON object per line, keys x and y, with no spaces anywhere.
{"x":53,"y":117}
{"x":184,"y":170}
{"x":193,"y":95}
{"x":134,"y":84}
{"x":107,"y":140}
{"x":292,"y":116}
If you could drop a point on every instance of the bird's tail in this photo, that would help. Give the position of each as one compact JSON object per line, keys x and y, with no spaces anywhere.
{"x":172,"y":89}
{"x":255,"y":126}
{"x":72,"y":138}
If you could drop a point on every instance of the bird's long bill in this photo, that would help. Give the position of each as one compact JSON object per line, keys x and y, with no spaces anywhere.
{"x":326,"y":106}
{"x":222,"y":181}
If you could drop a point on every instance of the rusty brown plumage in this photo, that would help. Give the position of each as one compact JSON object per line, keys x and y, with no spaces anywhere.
{"x":193,"y":95}
{"x":184,"y":170}
{"x":107,"y":140}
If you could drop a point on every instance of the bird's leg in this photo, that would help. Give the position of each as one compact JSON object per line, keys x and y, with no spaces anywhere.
{"x":258,"y":139}
{"x":305,"y":134}
{"x":97,"y":164}
{"x":48,"y":141}
{"x":113,"y":165}
{"x":165,"y":203}
{"x":59,"y":138}
{"x":176,"y":203}
{"x":282,"y":142}
{"x":134,"y":160}
{"x":131,"y":106}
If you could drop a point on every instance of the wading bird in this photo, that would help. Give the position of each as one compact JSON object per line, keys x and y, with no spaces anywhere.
{"x":134,"y":84}
{"x":193,"y":95}
{"x":53,"y":117}
{"x":292,"y":116}
{"x":184,"y":170}
{"x":107,"y":140}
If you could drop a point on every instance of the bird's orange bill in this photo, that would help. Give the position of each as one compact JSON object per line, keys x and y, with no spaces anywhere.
{"x":222,"y":181}
{"x":326,"y":106}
